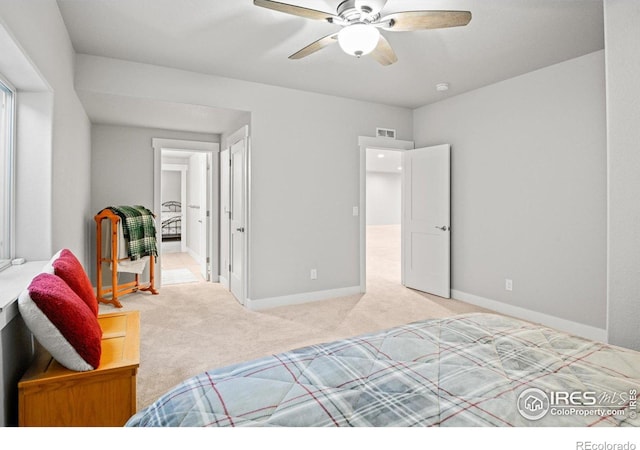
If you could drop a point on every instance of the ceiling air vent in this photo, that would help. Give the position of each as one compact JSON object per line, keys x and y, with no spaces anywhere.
{"x":386,"y":132}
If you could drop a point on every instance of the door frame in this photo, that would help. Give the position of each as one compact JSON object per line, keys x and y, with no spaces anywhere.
{"x":213,"y":148}
{"x":377,"y":143}
{"x":223,"y":215}
{"x":206,"y":187}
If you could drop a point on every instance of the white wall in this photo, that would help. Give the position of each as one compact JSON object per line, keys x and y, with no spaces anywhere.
{"x":304,"y":167}
{"x":529,"y":189}
{"x":122,"y":166}
{"x":384,"y":196}
{"x":33,"y":215}
{"x":62,"y":132}
{"x":52,"y":162}
{"x":243,"y":119}
{"x":622,"y":44}
{"x":171,"y":185}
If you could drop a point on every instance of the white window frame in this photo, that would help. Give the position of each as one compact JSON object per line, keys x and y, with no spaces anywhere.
{"x":8,"y":177}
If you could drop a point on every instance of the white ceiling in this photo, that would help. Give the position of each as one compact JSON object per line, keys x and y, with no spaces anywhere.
{"x":234,"y":38}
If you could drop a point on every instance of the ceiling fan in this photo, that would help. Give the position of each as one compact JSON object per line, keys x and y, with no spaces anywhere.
{"x":361,"y":22}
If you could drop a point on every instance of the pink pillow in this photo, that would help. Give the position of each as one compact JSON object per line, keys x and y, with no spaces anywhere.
{"x":66,"y":266}
{"x":61,"y":322}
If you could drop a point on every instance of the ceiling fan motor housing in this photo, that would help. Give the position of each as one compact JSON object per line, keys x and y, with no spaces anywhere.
{"x":353,"y":12}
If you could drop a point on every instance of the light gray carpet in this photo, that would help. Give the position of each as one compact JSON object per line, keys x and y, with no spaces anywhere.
{"x":189,"y":328}
{"x":177,"y":276}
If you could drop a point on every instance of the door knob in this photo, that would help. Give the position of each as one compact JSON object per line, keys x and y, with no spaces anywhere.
{"x":241,"y":229}
{"x":443,"y":228}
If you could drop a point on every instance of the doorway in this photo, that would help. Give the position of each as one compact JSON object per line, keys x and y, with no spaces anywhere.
{"x":183,"y":232}
{"x":424,"y":250}
{"x":183,"y":194}
{"x":377,"y":228}
{"x":383,"y":216}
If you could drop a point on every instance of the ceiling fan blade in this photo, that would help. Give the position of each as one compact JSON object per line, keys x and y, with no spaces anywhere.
{"x":383,"y":53}
{"x":424,"y":20}
{"x":315,"y":46}
{"x":295,"y":10}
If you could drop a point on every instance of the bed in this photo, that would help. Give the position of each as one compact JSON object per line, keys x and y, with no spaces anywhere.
{"x":171,"y":221}
{"x":467,"y":370}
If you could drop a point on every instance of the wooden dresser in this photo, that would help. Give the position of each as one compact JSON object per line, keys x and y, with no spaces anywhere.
{"x":51,"y":395}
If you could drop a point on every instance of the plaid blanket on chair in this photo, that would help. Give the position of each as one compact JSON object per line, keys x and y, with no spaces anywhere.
{"x":139,"y":229}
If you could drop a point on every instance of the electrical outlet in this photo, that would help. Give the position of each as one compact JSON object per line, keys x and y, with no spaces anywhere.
{"x":508,"y":284}
{"x":314,"y":274}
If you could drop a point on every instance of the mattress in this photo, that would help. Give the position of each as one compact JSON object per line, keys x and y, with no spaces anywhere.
{"x":468,"y":370}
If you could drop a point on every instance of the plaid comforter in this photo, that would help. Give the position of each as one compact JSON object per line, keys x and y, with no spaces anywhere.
{"x":469,"y":370}
{"x":139,"y":229}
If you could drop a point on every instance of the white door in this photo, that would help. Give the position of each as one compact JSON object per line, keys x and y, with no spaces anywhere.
{"x":426,"y":231}
{"x":225,"y":210}
{"x":237,"y":219}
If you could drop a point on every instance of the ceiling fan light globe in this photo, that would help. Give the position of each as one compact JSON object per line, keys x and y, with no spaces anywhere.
{"x":358,"y":39}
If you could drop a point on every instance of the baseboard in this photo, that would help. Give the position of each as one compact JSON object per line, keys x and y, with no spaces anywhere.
{"x":568,"y":326}
{"x":297,"y":299}
{"x":197,"y":258}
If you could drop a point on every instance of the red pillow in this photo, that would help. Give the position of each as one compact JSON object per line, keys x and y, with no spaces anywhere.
{"x":61,"y":322}
{"x":66,"y":266}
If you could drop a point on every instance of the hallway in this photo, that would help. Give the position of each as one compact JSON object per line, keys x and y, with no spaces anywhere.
{"x":180,"y":268}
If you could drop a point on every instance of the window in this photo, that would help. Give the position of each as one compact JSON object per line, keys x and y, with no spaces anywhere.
{"x":7,"y":114}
